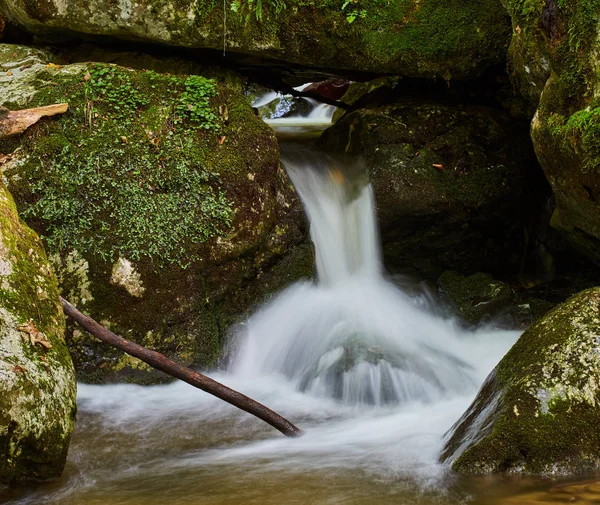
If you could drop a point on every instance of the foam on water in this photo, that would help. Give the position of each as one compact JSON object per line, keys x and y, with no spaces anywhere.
{"x":352,"y":336}
{"x":374,"y":377}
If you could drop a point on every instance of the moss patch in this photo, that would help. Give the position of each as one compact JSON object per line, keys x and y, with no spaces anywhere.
{"x":538,"y":411}
{"x":37,"y":386}
{"x":452,"y":39}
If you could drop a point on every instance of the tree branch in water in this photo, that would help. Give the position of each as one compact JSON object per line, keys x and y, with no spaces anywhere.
{"x":164,"y":364}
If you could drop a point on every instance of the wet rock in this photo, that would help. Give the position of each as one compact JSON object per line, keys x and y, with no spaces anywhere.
{"x":447,"y":182}
{"x":427,"y":39}
{"x":538,"y":411}
{"x":333,"y":89}
{"x":160,"y":199}
{"x":554,"y":49}
{"x":476,"y":297}
{"x":285,"y":106}
{"x":37,"y":379}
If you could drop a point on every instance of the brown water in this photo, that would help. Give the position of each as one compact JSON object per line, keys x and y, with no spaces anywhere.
{"x":174,"y":444}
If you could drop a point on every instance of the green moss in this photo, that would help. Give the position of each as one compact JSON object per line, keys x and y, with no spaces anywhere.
{"x":37,"y":404}
{"x":140,"y":175}
{"x":452,"y":39}
{"x":538,"y":411}
{"x":476,"y":296}
{"x":565,"y":129}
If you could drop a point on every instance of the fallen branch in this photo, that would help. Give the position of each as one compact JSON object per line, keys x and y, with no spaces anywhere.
{"x":164,"y":364}
{"x":17,"y":121}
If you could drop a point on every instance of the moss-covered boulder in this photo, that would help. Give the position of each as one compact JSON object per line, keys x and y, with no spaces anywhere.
{"x":447,"y":181}
{"x":159,"y":197}
{"x":475,"y":297}
{"x":538,"y":412}
{"x":555,"y":48}
{"x":37,"y":379}
{"x":450,"y":39}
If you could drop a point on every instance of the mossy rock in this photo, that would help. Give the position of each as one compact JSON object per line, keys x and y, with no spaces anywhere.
{"x":555,"y":48}
{"x":538,"y":411}
{"x":476,"y":297}
{"x":157,"y":196}
{"x":37,"y":379}
{"x":447,"y":182}
{"x":450,"y":39}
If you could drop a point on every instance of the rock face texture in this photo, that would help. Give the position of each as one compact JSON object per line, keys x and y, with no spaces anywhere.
{"x":538,"y":411}
{"x":37,"y":379}
{"x":554,"y":62}
{"x":448,"y":180}
{"x":452,"y":39}
{"x":160,"y":199}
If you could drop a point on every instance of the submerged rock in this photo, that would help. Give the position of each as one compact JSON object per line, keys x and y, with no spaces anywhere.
{"x":538,"y":412}
{"x":285,"y":106}
{"x":448,"y":182}
{"x":160,"y":199}
{"x":37,"y":379}
{"x":554,"y":62}
{"x":453,"y":39}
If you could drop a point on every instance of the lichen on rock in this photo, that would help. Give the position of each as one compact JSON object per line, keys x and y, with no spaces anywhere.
{"x":539,"y":410}
{"x":37,"y":382}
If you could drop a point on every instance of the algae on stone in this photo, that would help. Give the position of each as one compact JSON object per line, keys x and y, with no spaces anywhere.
{"x":37,"y":385}
{"x":538,"y":412}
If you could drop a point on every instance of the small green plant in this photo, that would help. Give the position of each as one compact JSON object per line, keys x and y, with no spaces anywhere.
{"x":353,"y":13}
{"x":248,"y":8}
{"x":150,"y":211}
{"x":114,"y":88}
{"x":194,"y":103}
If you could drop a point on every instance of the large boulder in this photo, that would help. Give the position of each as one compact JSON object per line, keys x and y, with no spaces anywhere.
{"x":448,"y":182}
{"x":37,"y":379}
{"x":451,"y":39}
{"x":555,"y":49}
{"x":160,"y":199}
{"x":538,"y":412}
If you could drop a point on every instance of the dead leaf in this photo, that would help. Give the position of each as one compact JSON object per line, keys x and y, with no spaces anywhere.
{"x":222,"y":139}
{"x":13,"y":122}
{"x":35,"y":335}
{"x":224,"y":112}
{"x":18,"y":369}
{"x":124,"y":139}
{"x":87,"y":76}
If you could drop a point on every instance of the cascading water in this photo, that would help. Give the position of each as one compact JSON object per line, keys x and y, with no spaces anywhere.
{"x":353,"y":336}
{"x":371,"y":374}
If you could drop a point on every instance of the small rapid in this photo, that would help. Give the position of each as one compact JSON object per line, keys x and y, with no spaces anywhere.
{"x":373,"y":374}
{"x":352,"y":335}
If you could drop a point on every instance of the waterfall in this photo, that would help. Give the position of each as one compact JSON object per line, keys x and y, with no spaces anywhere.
{"x":352,"y":335}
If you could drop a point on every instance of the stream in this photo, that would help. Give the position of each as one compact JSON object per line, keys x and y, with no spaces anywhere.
{"x":373,"y":374}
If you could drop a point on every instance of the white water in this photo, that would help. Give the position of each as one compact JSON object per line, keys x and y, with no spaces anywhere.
{"x":353,"y":336}
{"x":374,"y":377}
{"x":319,"y":117}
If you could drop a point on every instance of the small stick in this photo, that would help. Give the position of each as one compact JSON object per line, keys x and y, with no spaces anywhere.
{"x":164,"y":364}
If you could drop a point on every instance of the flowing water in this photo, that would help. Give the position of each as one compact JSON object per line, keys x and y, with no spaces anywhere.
{"x":373,"y":375}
